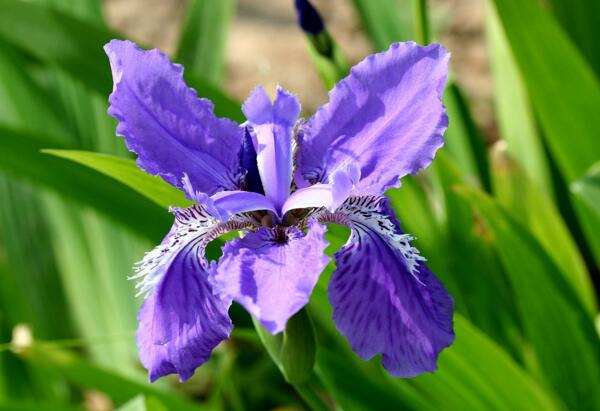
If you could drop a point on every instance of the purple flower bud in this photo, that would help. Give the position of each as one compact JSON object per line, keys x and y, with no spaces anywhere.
{"x":309,"y":18}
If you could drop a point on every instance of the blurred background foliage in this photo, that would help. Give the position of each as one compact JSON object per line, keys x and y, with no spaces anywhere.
{"x":508,"y":214}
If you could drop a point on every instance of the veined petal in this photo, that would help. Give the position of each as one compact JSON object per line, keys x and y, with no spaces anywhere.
{"x":272,"y":272}
{"x":272,"y":131}
{"x":387,"y":116}
{"x":384,"y":298}
{"x":164,"y":122}
{"x":181,"y":321}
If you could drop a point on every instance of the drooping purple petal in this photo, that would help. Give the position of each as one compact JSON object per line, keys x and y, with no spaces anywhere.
{"x":164,"y":122}
{"x":272,"y":272}
{"x":272,"y":128}
{"x":387,"y":116}
{"x":181,"y":321}
{"x":384,"y":298}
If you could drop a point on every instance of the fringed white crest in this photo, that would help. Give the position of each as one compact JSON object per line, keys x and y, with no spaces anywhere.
{"x":371,"y":213}
{"x":193,"y":223}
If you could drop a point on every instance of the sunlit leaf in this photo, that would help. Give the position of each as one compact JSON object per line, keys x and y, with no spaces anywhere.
{"x":562,"y":86}
{"x":535,"y":210}
{"x":555,"y":321}
{"x":21,"y":157}
{"x":128,"y":173}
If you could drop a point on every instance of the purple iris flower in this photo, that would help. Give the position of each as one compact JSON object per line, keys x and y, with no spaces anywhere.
{"x":279,"y":180}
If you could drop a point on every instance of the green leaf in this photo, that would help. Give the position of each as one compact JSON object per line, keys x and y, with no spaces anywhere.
{"x":382,"y":21}
{"x":474,"y":373}
{"x":563,"y":88}
{"x":579,"y":18}
{"x":483,"y":298}
{"x":463,"y":140}
{"x":516,"y":120}
{"x":20,"y":156}
{"x":527,"y":204}
{"x":34,"y":406}
{"x":142,"y":403}
{"x":86,"y":375}
{"x":202,"y":46}
{"x":555,"y":321}
{"x":128,"y":173}
{"x":23,"y":103}
{"x":76,"y":46}
{"x":587,"y":188}
{"x":586,"y":194}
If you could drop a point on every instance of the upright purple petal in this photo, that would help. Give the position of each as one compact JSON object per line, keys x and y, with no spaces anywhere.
{"x":384,"y":298}
{"x":387,"y":116}
{"x":181,"y":321}
{"x":164,"y":122}
{"x":272,"y":272}
{"x":272,"y":128}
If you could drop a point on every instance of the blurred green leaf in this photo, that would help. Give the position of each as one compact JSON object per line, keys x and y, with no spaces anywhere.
{"x":128,"y":173}
{"x":527,"y":204}
{"x":22,"y":102}
{"x":204,"y":38}
{"x":34,"y":406}
{"x":586,"y":194}
{"x":143,"y":403}
{"x":472,"y":272}
{"x":463,"y":140}
{"x":580,"y":20}
{"x":556,"y":323}
{"x":516,"y":120}
{"x":588,"y":188}
{"x":563,"y":88}
{"x":90,"y":10}
{"x":60,"y":39}
{"x":86,"y":375}
{"x":20,"y":156}
{"x":382,"y":21}
{"x":475,"y":373}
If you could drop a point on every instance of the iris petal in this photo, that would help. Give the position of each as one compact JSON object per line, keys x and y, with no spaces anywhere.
{"x":272,"y":272}
{"x":387,"y":116}
{"x":384,"y":298}
{"x":181,"y":321}
{"x":272,"y":132}
{"x":172,"y":131}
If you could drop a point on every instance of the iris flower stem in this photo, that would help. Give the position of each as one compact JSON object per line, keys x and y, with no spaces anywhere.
{"x":421,"y":22}
{"x":310,"y":397}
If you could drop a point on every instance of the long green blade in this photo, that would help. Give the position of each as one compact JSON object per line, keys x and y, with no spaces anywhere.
{"x":20,"y":155}
{"x":555,"y":321}
{"x":562,"y":86}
